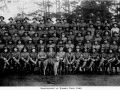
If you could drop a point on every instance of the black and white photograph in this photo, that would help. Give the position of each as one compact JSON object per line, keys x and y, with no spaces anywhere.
{"x":59,"y":43}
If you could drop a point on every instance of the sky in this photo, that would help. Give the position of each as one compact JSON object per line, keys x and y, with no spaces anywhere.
{"x":16,"y":6}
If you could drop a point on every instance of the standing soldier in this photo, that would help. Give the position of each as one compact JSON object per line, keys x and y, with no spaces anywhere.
{"x":41,"y":45}
{"x":2,"y":22}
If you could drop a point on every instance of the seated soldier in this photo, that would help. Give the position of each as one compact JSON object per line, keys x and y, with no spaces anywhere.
{"x":33,"y":59}
{"x":35,"y":38}
{"x":60,"y":30}
{"x":98,"y":38}
{"x":71,"y":36}
{"x":99,"y":30}
{"x":75,"y":30}
{"x":69,"y":44}
{"x":52,"y":30}
{"x":60,"y":44}
{"x":15,"y":38}
{"x":30,"y":45}
{"x":21,"y":31}
{"x":87,"y":45}
{"x":105,"y":46}
{"x":107,"y":36}
{"x":89,"y":36}
{"x":3,"y":30}
{"x":96,"y":46}
{"x":41,"y":44}
{"x":70,"y":58}
{"x":78,"y":56}
{"x":25,"y":37}
{"x":16,"y":59}
{"x":10,"y":45}
{"x":20,"y":45}
{"x":61,"y":55}
{"x":111,"y":56}
{"x":6,"y":56}
{"x":106,"y":23}
{"x":46,"y":30}
{"x":91,"y":29}
{"x":103,"y":57}
{"x":115,"y":29}
{"x":79,"y":37}
{"x":98,"y":22}
{"x":114,"y":46}
{"x":31,"y":31}
{"x":40,"y":31}
{"x":12,"y":29}
{"x":86,"y":58}
{"x":34,"y":23}
{"x":83,"y":31}
{"x":115,"y":37}
{"x":82,"y":23}
{"x":51,"y":44}
{"x":63,"y":38}
{"x":6,"y":37}
{"x":54,"y":38}
{"x":25,"y":57}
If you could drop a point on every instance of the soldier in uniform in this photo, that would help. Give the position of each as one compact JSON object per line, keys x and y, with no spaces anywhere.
{"x":114,"y":46}
{"x":5,"y":56}
{"x":30,"y":45}
{"x":25,"y":37}
{"x":35,"y":38}
{"x":31,"y":31}
{"x":25,"y":57}
{"x":88,"y":45}
{"x":91,"y":29}
{"x":88,"y":36}
{"x":69,"y":44}
{"x":12,"y":29}
{"x":51,"y":58}
{"x":21,"y":31}
{"x":61,"y":60}
{"x":2,"y":22}
{"x":42,"y":56}
{"x":6,"y":37}
{"x":15,"y":38}
{"x":96,"y":46}
{"x":70,"y":58}
{"x":20,"y":45}
{"x":86,"y":59}
{"x":16,"y":60}
{"x":33,"y":59}
{"x":63,"y":38}
{"x":78,"y":58}
{"x":105,"y":45}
